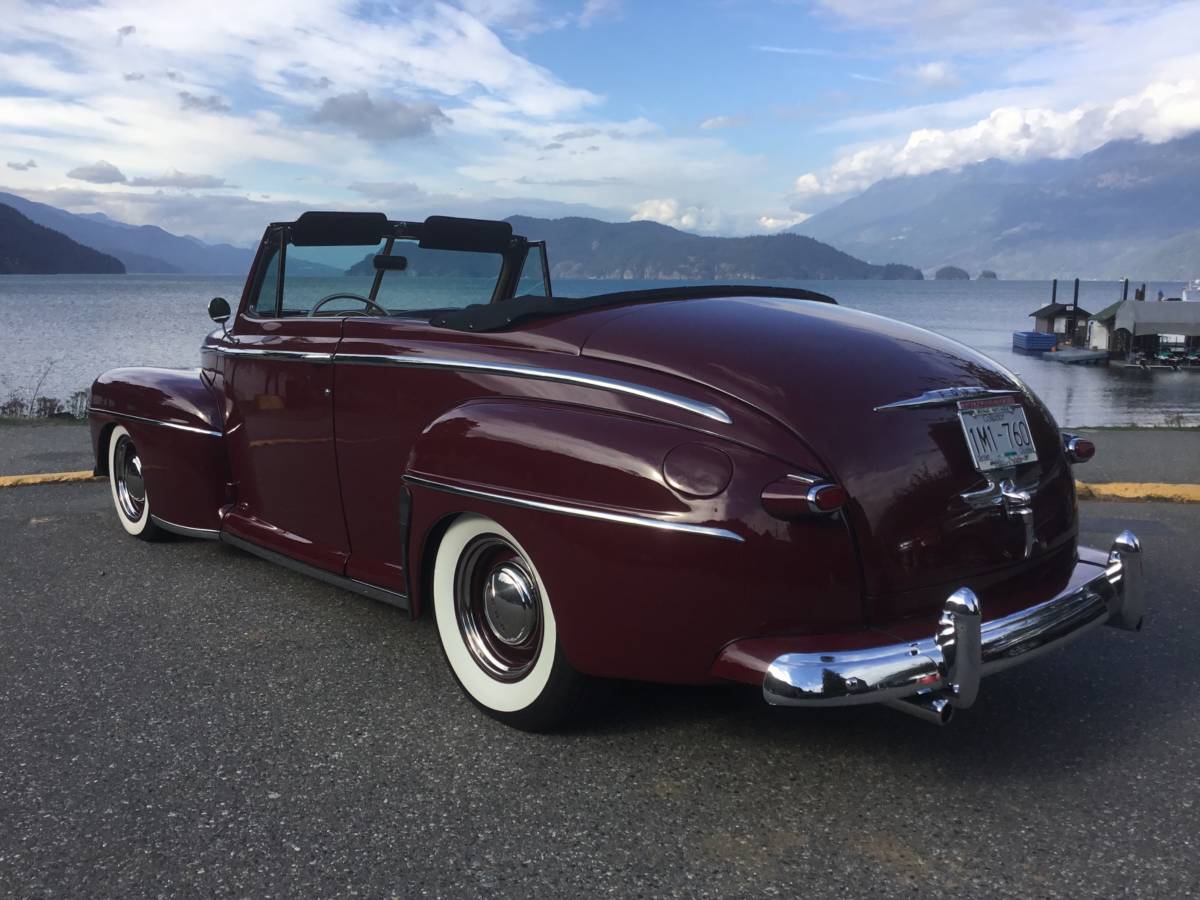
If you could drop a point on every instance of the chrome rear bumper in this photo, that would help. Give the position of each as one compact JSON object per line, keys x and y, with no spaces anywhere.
{"x":932,"y":677}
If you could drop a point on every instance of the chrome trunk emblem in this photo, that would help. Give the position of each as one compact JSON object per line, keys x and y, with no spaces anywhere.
{"x":946,"y":397}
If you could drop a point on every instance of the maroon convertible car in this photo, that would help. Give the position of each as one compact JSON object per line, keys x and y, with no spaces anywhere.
{"x":685,"y":485}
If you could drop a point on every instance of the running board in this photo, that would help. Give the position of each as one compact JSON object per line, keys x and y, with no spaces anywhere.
{"x":347,"y":584}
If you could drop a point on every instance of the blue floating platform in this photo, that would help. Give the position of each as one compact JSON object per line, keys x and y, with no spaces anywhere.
{"x":1034,"y":340}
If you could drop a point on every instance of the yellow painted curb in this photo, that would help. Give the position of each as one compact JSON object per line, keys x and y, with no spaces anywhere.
{"x":1151,"y":490}
{"x":46,"y":478}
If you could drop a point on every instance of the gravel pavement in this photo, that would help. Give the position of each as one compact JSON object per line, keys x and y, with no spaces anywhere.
{"x":183,"y":719}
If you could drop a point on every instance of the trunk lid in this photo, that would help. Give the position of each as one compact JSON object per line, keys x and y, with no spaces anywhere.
{"x":822,"y":371}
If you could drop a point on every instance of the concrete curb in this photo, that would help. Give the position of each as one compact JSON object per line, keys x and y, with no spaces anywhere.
{"x":47,"y":478}
{"x":1126,"y":490}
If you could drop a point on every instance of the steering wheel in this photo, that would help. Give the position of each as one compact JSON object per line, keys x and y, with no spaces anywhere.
{"x":339,"y":294}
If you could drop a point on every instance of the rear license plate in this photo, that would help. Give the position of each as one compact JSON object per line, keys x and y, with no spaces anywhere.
{"x":997,"y":432}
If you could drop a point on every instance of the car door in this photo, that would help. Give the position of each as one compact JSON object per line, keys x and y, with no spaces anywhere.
{"x":279,"y":386}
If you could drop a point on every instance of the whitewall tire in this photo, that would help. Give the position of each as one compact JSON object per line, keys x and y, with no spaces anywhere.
{"x":128,"y":487}
{"x":497,"y":626}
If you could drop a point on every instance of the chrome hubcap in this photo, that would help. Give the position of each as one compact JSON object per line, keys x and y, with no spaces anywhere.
{"x":131,"y":486}
{"x":499,"y":608}
{"x":509,"y":603}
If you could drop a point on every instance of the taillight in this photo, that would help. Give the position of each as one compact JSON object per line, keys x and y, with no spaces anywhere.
{"x":797,"y":496}
{"x":1078,"y":449}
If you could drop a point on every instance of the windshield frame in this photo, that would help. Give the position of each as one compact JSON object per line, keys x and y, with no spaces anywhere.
{"x":278,"y":236}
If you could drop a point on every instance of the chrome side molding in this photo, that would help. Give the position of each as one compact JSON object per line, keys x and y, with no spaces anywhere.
{"x":178,"y":426}
{"x":707,"y":410}
{"x":582,"y":512}
{"x":266,"y":353}
{"x":565,"y":376}
{"x":933,"y":677}
{"x":946,"y":397}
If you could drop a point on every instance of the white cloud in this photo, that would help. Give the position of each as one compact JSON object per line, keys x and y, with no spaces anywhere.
{"x":778,"y":222}
{"x":936,"y":74}
{"x":714,"y":122}
{"x":178,"y":179}
{"x":679,"y":214}
{"x":1158,"y":113}
{"x":597,"y":10}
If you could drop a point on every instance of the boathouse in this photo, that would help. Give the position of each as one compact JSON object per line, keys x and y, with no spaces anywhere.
{"x":1129,"y":325}
{"x":1055,"y":318}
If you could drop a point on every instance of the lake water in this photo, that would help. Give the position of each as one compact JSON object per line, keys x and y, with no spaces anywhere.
{"x":64,"y":330}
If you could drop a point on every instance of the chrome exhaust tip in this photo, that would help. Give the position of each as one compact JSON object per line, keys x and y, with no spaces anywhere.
{"x":936,"y":709}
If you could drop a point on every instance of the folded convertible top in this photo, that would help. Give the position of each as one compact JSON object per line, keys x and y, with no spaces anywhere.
{"x":498,"y":316}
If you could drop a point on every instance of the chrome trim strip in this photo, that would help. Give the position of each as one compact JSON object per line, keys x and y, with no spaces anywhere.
{"x":208,"y":534}
{"x":392,"y":598}
{"x":561,"y":375}
{"x":176,"y":425}
{"x":945,"y":397}
{"x":579,"y":511}
{"x":263,"y":353}
{"x":949,"y":664}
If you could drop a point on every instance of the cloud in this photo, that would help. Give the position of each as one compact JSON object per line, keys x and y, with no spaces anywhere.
{"x":23,"y":166}
{"x":178,"y":179}
{"x":598,"y":10}
{"x":782,"y":220}
{"x":382,"y":120}
{"x":1160,"y":112}
{"x":209,"y":104}
{"x":800,"y":51}
{"x":873,"y":79}
{"x":393,"y":191}
{"x":125,"y":31}
{"x":935,"y":74}
{"x":99,"y":172}
{"x":714,"y":122}
{"x":679,"y":214}
{"x":553,"y":145}
{"x":133,"y":76}
{"x":579,"y":134}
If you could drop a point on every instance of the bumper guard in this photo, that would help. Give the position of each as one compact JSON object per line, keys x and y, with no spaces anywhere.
{"x":933,"y":677}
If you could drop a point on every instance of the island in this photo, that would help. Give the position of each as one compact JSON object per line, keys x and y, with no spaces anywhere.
{"x":987,"y":275}
{"x":951,"y":273}
{"x":27,"y":248}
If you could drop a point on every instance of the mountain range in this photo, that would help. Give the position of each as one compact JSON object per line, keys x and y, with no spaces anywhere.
{"x":140,"y":248}
{"x":589,"y":248}
{"x":1128,"y":208}
{"x":27,"y":248}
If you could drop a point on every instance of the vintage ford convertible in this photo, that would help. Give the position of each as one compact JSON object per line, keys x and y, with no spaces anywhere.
{"x":685,"y":485}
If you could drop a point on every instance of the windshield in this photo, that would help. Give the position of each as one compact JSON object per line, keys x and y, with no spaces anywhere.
{"x":328,"y":280}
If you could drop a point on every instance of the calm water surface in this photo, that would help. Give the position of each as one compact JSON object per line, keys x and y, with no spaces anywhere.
{"x":66,"y":329}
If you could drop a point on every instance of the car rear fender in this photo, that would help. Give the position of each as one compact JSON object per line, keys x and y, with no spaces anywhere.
{"x":175,"y":421}
{"x":648,"y":577}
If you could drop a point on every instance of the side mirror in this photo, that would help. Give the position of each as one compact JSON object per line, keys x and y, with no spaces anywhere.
{"x":219,"y":311}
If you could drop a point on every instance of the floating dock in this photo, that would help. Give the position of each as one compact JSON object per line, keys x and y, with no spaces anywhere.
{"x":1073,"y":356}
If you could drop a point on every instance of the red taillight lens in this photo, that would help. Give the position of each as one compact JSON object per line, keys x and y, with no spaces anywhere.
{"x":1078,"y":449}
{"x":796,"y":497}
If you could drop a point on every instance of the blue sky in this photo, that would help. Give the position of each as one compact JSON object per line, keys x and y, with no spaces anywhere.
{"x":718,"y":116}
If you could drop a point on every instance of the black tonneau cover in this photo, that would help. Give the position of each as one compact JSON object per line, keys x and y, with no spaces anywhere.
{"x":498,"y":316}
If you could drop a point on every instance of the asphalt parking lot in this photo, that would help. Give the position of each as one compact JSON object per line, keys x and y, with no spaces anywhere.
{"x":185,"y":720}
